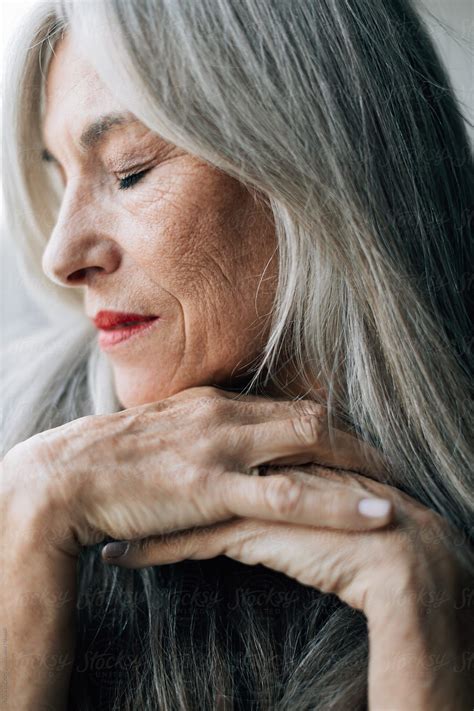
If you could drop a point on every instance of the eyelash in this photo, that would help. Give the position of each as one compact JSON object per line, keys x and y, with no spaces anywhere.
{"x":130,"y":180}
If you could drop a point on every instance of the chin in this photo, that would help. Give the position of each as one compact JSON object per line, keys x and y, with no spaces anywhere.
{"x":143,"y":390}
{"x":139,"y":388}
{"x":132,"y":394}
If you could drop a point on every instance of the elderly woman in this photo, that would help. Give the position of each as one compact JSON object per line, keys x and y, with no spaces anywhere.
{"x":262,"y":208}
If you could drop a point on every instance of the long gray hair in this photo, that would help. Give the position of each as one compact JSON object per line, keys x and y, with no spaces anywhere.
{"x":342,"y":118}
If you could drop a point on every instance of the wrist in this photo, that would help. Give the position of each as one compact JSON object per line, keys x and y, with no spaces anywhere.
{"x":37,"y":609}
{"x":416,"y":659}
{"x":31,"y":513}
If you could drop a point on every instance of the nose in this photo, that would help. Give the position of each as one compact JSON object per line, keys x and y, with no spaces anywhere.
{"x":80,"y":247}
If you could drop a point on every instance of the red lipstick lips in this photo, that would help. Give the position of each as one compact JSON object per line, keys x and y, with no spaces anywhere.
{"x":118,"y":326}
{"x":107,"y":320}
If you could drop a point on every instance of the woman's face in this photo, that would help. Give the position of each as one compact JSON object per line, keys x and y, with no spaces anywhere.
{"x":184,"y":242}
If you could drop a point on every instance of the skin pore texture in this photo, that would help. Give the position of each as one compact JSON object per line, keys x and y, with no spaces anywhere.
{"x":185,"y":242}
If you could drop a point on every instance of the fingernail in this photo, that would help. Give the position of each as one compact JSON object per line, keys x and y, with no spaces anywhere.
{"x":115,"y":549}
{"x":374,"y":507}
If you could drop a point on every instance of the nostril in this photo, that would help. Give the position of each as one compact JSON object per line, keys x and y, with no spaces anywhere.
{"x":80,"y":274}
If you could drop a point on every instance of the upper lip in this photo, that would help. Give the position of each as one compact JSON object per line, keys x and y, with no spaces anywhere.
{"x":109,"y":319}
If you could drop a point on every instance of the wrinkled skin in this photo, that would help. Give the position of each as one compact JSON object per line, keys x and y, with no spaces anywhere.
{"x":186,"y":242}
{"x":181,"y":462}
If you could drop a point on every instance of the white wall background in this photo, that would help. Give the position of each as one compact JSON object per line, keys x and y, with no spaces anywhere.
{"x":454,"y":37}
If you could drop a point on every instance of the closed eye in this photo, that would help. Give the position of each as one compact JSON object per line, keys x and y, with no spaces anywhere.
{"x":130,"y":180}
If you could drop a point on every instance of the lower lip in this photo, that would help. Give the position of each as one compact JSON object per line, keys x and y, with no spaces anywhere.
{"x":112,"y":338}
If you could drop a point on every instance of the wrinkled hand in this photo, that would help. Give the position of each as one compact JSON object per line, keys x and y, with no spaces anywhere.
{"x":402,"y":573}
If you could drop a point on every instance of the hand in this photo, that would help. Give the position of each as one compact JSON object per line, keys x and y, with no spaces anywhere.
{"x":163,"y":466}
{"x":149,"y":469}
{"x":403,"y":574}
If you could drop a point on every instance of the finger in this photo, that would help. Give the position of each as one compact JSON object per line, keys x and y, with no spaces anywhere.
{"x":328,"y":562}
{"x":301,"y":440}
{"x":310,"y":440}
{"x":299,"y":552}
{"x":268,"y":442}
{"x":279,"y":497}
{"x":332,"y":446}
{"x":339,"y":448}
{"x":170,"y":547}
{"x":344,"y":451}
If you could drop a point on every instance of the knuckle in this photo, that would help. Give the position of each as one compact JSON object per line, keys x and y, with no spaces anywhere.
{"x":32,"y":460}
{"x":309,"y":430}
{"x":283,"y":494}
{"x":241,"y":549}
{"x":206,"y":392}
{"x":126,"y":422}
{"x":210,"y":406}
{"x":195,"y":393}
{"x":201,"y":480}
{"x":201,"y":488}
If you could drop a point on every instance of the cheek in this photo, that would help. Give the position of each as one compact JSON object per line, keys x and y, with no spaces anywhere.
{"x":204,"y":242}
{"x":202,"y":247}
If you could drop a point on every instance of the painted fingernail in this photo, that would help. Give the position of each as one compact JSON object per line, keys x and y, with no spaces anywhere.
{"x":374,"y":507}
{"x":115,"y":549}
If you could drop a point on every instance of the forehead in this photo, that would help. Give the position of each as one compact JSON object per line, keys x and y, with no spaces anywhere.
{"x":74,"y":93}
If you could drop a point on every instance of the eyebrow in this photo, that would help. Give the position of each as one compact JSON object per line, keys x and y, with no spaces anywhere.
{"x":94,"y":133}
